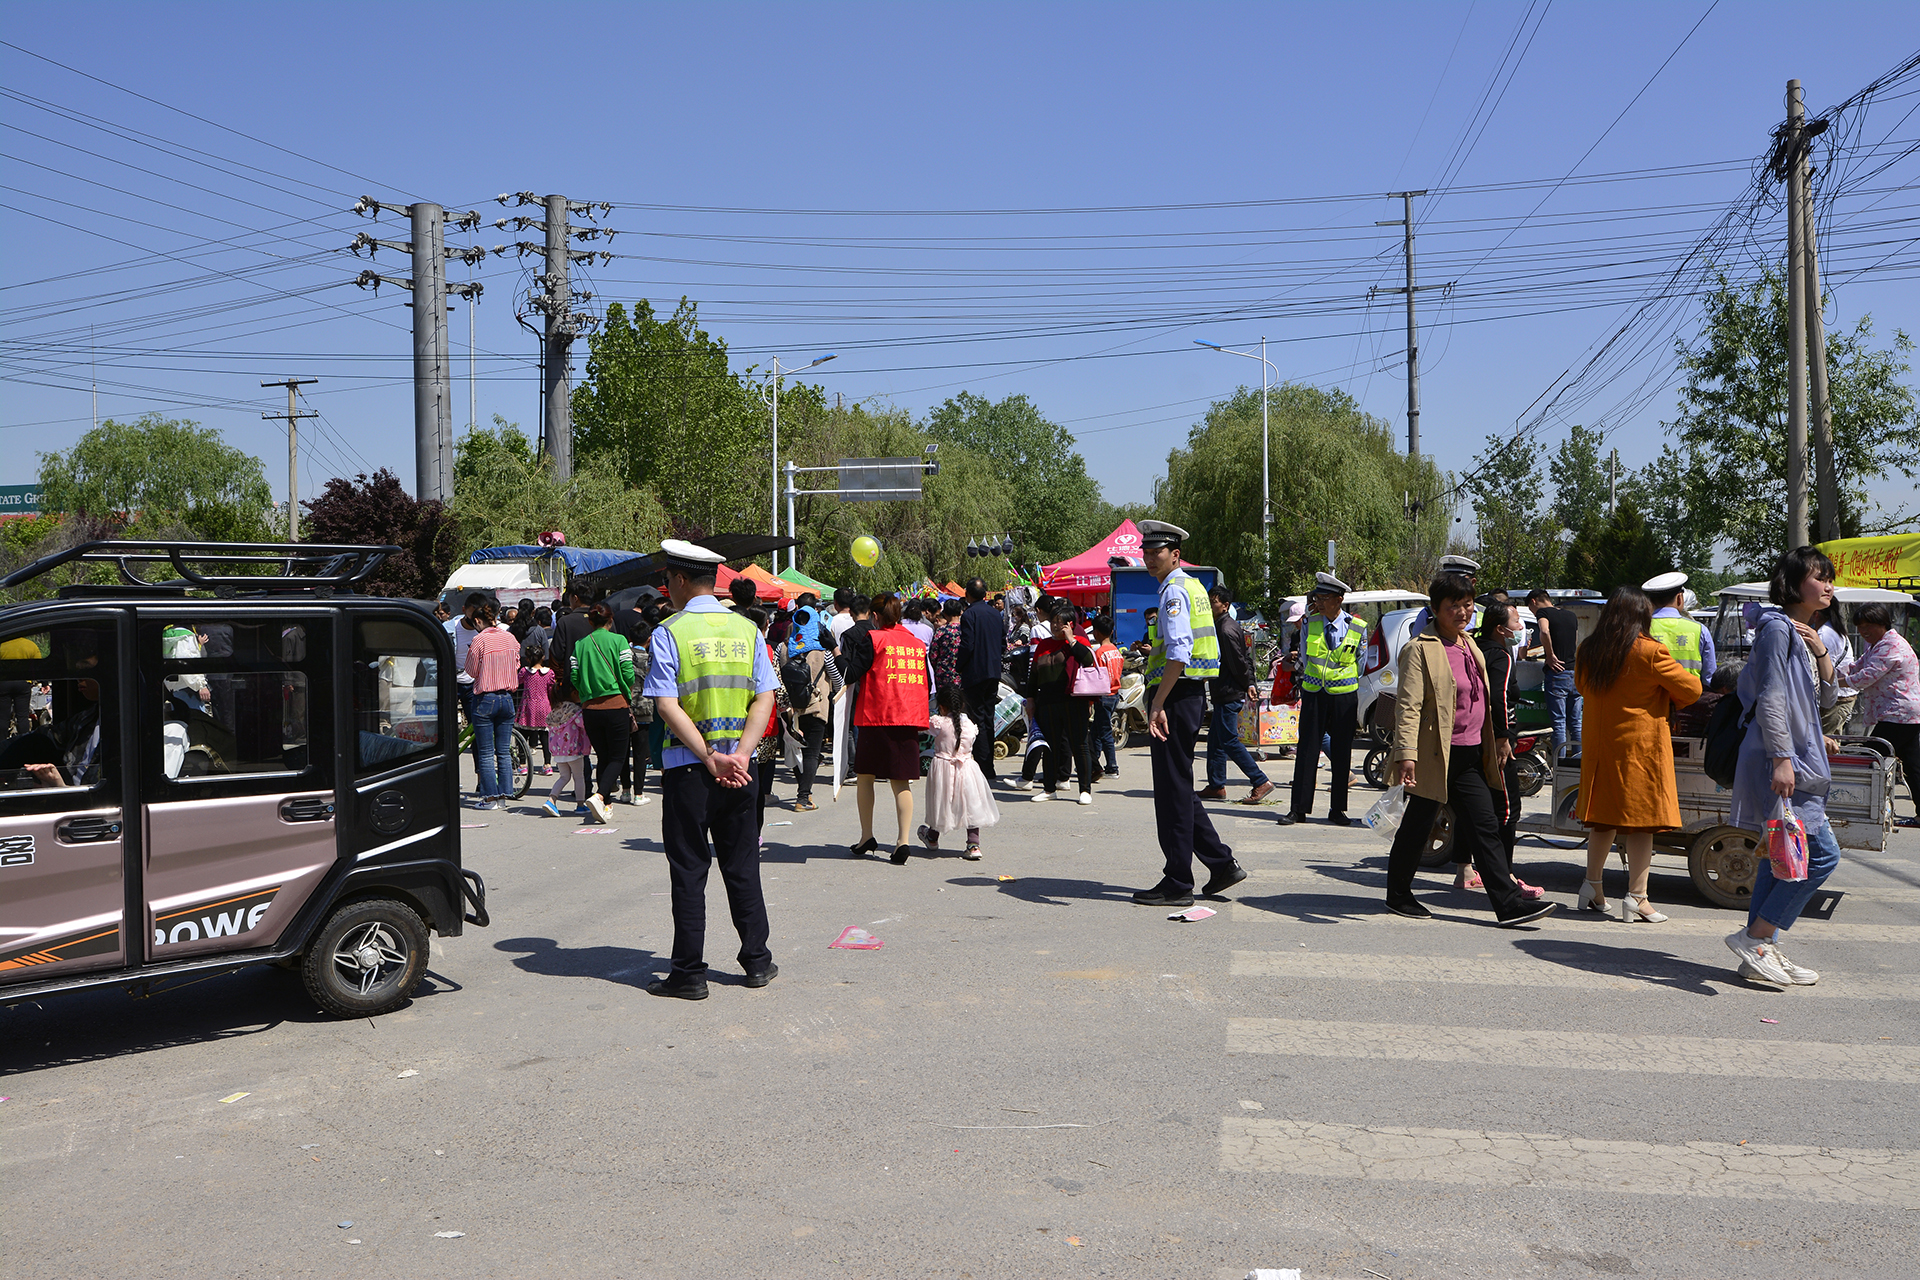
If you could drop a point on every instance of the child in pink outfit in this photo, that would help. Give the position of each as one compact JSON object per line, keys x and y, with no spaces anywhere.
{"x":958,"y":797}
{"x":567,"y":738}
{"x":536,"y":689}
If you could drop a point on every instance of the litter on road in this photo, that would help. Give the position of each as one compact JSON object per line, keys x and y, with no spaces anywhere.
{"x":1193,"y":914}
{"x":344,"y":1225}
{"x":235,"y":1097}
{"x":408,"y":1072}
{"x":595,"y":831}
{"x":1774,"y":1021}
{"x":854,"y":938}
{"x":448,"y":1235}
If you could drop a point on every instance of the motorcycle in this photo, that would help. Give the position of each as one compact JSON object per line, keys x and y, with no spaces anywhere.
{"x":1130,"y":709}
{"x":1529,"y":752}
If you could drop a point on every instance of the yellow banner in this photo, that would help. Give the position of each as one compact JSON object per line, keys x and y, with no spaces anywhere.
{"x":1866,"y":562}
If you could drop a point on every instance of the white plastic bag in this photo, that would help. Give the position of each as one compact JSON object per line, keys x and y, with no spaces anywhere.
{"x":1387,"y":811}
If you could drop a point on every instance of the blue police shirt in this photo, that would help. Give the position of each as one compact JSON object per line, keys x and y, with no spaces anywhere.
{"x":1176,"y":627}
{"x":663,"y":678}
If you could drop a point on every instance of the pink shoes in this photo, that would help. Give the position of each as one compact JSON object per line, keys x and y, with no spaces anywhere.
{"x":1468,"y":879}
{"x":1528,"y":890}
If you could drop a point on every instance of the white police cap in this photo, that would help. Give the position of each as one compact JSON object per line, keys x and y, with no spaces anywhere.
{"x":689,"y":557}
{"x":1665,"y":583}
{"x":1158,"y":533}
{"x":1459,"y":564}
{"x":1325,"y":584}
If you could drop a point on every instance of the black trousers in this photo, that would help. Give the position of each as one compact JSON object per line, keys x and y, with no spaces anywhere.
{"x":702,"y":822}
{"x":813,"y":732}
{"x":982,"y":697}
{"x":1186,"y":832}
{"x":1069,"y":744}
{"x":763,"y":790}
{"x":1330,"y":714}
{"x":642,"y":757}
{"x":1906,"y":746}
{"x":1508,"y":802}
{"x":609,"y":729}
{"x":1476,"y":832}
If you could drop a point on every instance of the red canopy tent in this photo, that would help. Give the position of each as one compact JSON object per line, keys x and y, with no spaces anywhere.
{"x":1088,"y":576}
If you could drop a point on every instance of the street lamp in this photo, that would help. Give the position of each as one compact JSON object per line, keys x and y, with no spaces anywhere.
{"x":1266,"y":499}
{"x":772,"y":393}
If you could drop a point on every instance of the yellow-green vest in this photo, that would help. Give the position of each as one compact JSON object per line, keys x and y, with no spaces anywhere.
{"x":715,"y":653}
{"x":1335,"y":670}
{"x":1204,"y":664}
{"x":1682,"y":638}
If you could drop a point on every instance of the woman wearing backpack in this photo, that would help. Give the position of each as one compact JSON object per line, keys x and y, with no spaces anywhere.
{"x":1783,"y":765}
{"x":812,"y":681}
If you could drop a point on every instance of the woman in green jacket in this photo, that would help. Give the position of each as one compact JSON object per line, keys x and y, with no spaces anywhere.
{"x":602,"y":671}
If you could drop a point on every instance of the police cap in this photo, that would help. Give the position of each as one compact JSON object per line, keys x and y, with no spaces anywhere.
{"x":1325,"y":584}
{"x":1158,"y":533}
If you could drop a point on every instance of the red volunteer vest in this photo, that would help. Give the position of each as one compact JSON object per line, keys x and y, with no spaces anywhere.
{"x":894,"y":690}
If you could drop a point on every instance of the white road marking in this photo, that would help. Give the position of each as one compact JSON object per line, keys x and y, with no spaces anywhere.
{"x":1720,"y":1170}
{"x":1587,"y":972}
{"x":1334,"y":877}
{"x":1470,"y":911}
{"x":1581,"y":1050}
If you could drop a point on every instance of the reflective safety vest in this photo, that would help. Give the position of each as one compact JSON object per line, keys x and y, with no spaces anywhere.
{"x":1682,"y":638}
{"x":1204,"y":663}
{"x":894,"y":690}
{"x":715,"y":683}
{"x":1331,"y":670}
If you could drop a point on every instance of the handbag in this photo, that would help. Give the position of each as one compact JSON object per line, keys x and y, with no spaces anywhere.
{"x":1091,"y":682}
{"x":1787,"y":844}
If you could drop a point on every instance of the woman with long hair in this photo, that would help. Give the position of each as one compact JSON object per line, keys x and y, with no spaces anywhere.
{"x":1630,"y":684}
{"x":890,"y":708}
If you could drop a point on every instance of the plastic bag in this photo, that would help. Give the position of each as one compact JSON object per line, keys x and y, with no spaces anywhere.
{"x":1787,"y":845}
{"x":1387,"y":812}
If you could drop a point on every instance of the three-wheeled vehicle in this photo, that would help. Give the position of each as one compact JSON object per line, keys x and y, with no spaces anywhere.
{"x":247,"y":762}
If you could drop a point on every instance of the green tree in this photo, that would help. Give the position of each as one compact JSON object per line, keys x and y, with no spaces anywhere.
{"x":1335,"y":475}
{"x":1616,"y":550}
{"x":1675,"y":492}
{"x":661,"y":409}
{"x":1733,"y":415}
{"x":1580,"y":484}
{"x":504,"y":495}
{"x":161,"y":472}
{"x":1518,"y":542}
{"x":378,"y":510}
{"x":1057,"y":505}
{"x":473,"y":453}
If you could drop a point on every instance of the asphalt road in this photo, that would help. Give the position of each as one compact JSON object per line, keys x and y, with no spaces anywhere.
{"x":1033,"y":1077}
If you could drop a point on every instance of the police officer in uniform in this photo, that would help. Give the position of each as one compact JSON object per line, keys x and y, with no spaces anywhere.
{"x":1329,"y":666}
{"x":712,"y":684}
{"x":1185,"y":655}
{"x":1690,"y":643}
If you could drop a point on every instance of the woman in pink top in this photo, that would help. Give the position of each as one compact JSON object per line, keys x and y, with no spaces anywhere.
{"x":493,"y":660}
{"x":1888,"y":678}
{"x":536,"y":697}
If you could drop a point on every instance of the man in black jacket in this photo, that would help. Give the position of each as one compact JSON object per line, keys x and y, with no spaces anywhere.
{"x":1233,"y":690}
{"x":983,"y":641}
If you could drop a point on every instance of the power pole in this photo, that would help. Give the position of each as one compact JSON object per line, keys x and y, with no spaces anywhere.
{"x":1613,"y":481}
{"x":433,"y":438}
{"x":1788,"y":161}
{"x":1413,"y":334}
{"x":555,"y":302}
{"x":1820,"y":417}
{"x":293,"y":451}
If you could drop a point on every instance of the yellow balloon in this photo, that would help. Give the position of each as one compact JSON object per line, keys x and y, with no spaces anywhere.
{"x":866,"y":551}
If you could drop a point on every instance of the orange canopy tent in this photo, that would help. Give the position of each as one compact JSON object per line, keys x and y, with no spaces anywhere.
{"x":772,"y":588}
{"x":723,"y":579}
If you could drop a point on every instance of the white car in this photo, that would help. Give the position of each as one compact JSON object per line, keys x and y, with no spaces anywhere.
{"x":1388,"y":614}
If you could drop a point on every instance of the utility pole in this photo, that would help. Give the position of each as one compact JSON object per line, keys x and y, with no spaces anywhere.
{"x":555,"y":302}
{"x":1613,"y":481}
{"x":1788,"y":161}
{"x":293,"y":451}
{"x":1413,"y":334}
{"x":433,"y":439}
{"x":1820,"y":416}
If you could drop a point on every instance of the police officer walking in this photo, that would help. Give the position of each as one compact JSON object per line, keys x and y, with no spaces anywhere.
{"x":1690,"y":643}
{"x":1185,"y":653}
{"x":713,"y":684}
{"x":1329,"y":666}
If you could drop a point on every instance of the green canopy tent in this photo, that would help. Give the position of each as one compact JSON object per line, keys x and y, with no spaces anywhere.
{"x":812,"y":584}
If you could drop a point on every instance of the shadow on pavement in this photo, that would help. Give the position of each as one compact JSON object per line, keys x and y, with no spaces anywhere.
{"x":623,"y":966}
{"x":1635,"y":964}
{"x":1050,"y":891}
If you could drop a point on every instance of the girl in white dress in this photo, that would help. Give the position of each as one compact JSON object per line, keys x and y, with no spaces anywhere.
{"x":957,"y":792}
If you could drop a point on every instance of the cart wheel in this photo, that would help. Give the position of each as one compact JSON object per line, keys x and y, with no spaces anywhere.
{"x":366,"y":959}
{"x":1122,"y":731}
{"x":1533,"y":774}
{"x":1439,"y":850}
{"x":1723,"y":862}
{"x":522,"y":764}
{"x":1000,"y":751}
{"x":1376,"y":768}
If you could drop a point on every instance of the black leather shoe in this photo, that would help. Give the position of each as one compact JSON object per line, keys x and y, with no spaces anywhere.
{"x":764,"y":976}
{"x":1412,"y":909}
{"x":1529,"y":913}
{"x":1224,"y":880}
{"x":1286,"y":819}
{"x":679,"y":988}
{"x":1164,"y":896}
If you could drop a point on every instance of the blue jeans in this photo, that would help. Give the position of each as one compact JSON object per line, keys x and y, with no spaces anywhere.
{"x":493,"y":744}
{"x":1564,"y":704}
{"x":1103,"y":731}
{"x":1780,"y":902}
{"x":1223,"y":744}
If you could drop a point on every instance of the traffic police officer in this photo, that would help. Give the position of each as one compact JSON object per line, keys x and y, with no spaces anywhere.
{"x":713,"y":684}
{"x":1185,"y":655}
{"x":1329,"y":665}
{"x":1690,"y":643}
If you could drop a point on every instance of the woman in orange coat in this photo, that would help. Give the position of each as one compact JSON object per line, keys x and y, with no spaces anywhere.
{"x":1630,"y":682}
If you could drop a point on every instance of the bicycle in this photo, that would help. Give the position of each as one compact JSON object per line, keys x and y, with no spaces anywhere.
{"x":522,"y":757}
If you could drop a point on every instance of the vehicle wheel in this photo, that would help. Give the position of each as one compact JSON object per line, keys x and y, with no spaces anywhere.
{"x":1122,"y":731}
{"x":1376,"y":768}
{"x":1533,"y":773}
{"x":366,"y":959}
{"x":522,"y":764}
{"x":1723,"y":862}
{"x":1000,"y":750}
{"x":1439,"y":850}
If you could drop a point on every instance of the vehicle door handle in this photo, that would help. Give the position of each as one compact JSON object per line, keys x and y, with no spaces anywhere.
{"x":306,"y":809}
{"x":88,"y":830}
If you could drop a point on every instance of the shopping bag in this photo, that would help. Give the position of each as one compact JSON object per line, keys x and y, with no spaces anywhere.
{"x":1387,"y":811}
{"x":1787,"y":845}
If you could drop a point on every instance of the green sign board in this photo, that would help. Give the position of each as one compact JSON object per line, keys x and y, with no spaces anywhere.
{"x":19,"y":499}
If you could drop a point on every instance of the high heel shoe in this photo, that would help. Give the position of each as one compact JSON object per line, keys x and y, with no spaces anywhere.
{"x":864,"y":848}
{"x":1632,"y":908}
{"x":1591,"y":897}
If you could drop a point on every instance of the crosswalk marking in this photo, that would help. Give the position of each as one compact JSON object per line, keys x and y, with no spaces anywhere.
{"x":1368,"y":878}
{"x":1363,"y":911}
{"x":1720,"y":1170}
{"x":1587,"y":972}
{"x":1582,"y":1050}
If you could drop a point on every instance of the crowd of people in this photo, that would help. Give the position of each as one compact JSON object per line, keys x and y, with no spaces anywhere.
{"x":713,"y":694}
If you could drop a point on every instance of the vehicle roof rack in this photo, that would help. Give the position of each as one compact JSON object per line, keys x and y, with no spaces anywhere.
{"x":306,"y":566}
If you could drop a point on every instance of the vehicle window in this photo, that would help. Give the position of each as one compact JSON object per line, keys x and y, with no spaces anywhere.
{"x":55,"y":688}
{"x":234,"y":702}
{"x":396,"y":693}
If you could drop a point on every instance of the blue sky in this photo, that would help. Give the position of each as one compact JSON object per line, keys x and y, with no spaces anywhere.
{"x":1051,"y":199}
